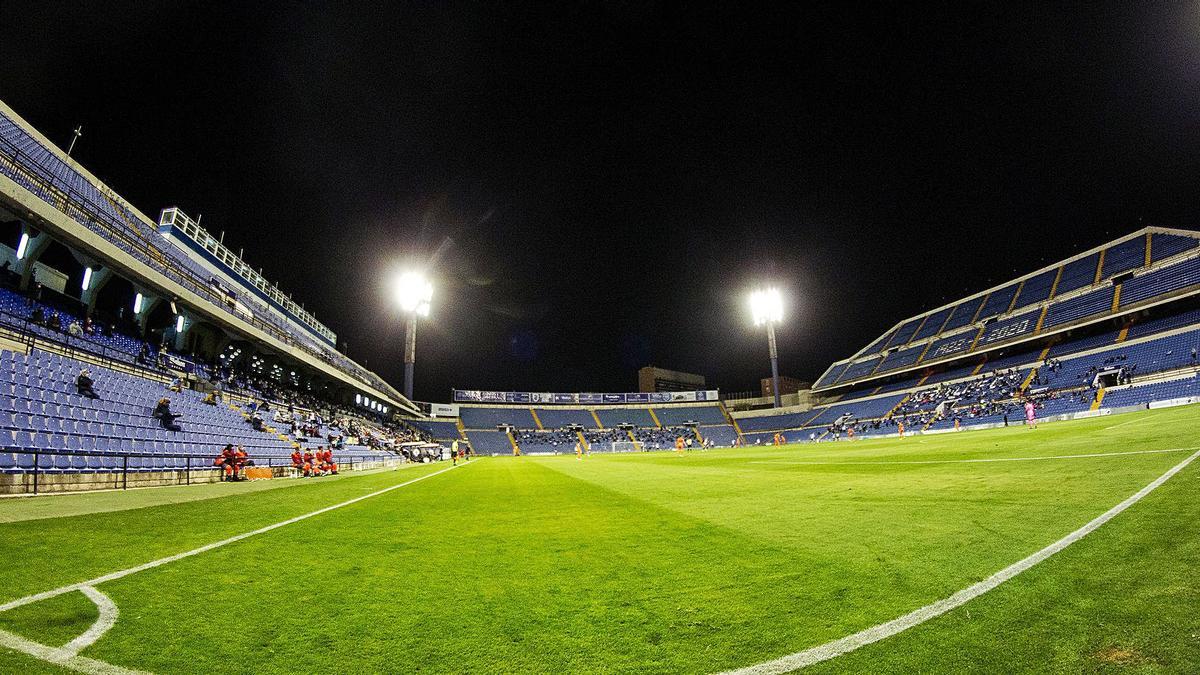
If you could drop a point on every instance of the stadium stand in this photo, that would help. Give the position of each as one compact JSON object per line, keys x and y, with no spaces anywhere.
{"x":561,"y":427}
{"x":1107,"y":367}
{"x":1144,"y":268}
{"x":708,"y":414}
{"x":39,"y":168}
{"x":47,"y":428}
{"x":557,"y":418}
{"x":639,"y":417}
{"x":490,"y":418}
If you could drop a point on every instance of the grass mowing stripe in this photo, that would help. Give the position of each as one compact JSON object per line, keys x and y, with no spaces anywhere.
{"x":862,"y":638}
{"x":976,"y":461}
{"x":207,"y":547}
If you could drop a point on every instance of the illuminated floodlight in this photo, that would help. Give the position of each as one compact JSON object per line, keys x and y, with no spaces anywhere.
{"x":137,"y":303}
{"x":414,"y":293}
{"x":179,"y":324}
{"x":358,"y":399}
{"x":766,"y":305}
{"x":23,"y":245}
{"x":87,"y":278}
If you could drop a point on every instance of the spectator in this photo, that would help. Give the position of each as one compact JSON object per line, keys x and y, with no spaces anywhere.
{"x":162,"y":412}
{"x":38,"y":316}
{"x":74,"y":329}
{"x":84,"y":383}
{"x":210,"y":399}
{"x":54,"y":322}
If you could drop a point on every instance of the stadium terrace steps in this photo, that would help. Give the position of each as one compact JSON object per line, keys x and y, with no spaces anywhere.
{"x":675,"y":416}
{"x":490,"y":418}
{"x":558,"y":418}
{"x":1149,"y":265}
{"x":439,"y":430}
{"x":1167,"y":349}
{"x":638,"y":417}
{"x":41,"y":414}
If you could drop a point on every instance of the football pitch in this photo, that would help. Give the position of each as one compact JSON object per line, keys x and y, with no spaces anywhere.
{"x":652,"y":562}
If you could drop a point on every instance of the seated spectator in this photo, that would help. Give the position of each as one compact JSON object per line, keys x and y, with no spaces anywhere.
{"x":227,"y":461}
{"x":143,"y":356}
{"x":210,"y":398}
{"x":38,"y":316}
{"x":54,"y":322}
{"x":74,"y":329}
{"x":162,"y":412}
{"x":241,"y":461}
{"x":84,"y":383}
{"x":256,"y":421}
{"x":176,"y":385}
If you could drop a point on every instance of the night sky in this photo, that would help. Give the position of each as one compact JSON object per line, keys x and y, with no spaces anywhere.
{"x":596,"y":186}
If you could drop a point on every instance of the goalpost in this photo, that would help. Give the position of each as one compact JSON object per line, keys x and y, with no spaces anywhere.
{"x":626,"y":446}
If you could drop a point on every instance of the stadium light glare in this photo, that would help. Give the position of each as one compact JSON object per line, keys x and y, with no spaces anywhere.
{"x":23,"y":245}
{"x":414,"y":295}
{"x":137,"y":303}
{"x":87,"y":278}
{"x":179,"y":323}
{"x":766,"y":306}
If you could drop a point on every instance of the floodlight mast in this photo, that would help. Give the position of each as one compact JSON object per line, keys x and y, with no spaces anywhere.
{"x":767,"y":307}
{"x":414,"y":294}
{"x":774,"y":352}
{"x":410,"y":354}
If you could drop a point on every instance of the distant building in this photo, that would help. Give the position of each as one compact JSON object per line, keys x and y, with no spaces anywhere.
{"x":661,"y":379}
{"x":787,"y":385}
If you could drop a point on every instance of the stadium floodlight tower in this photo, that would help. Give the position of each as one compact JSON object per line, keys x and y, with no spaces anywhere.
{"x":414,"y":294}
{"x":766,"y":305}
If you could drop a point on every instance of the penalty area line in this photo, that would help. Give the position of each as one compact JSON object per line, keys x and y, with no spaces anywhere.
{"x":111,"y":576}
{"x":900,"y":624}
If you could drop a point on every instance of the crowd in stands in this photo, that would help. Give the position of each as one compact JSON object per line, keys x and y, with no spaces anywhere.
{"x":662,"y":438}
{"x":558,"y":438}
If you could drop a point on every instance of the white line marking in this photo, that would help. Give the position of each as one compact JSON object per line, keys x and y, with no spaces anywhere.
{"x":108,"y":617}
{"x":62,"y":658}
{"x":204,"y":549}
{"x":862,"y":638}
{"x":1135,"y":421}
{"x":979,"y":461}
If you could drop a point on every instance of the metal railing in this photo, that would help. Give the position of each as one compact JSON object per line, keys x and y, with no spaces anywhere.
{"x":192,"y":463}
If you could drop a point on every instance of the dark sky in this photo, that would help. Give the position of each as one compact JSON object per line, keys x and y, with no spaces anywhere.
{"x":597,"y":185}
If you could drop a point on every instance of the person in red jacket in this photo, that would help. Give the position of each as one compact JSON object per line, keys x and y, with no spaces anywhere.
{"x":240,"y":460}
{"x":297,"y":460}
{"x":308,"y":463}
{"x":225,"y":460}
{"x":330,"y":465}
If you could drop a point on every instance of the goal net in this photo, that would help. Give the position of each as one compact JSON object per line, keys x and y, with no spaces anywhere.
{"x":626,"y":446}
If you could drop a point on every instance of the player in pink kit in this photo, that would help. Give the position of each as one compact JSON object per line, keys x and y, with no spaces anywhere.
{"x":1030,"y":414}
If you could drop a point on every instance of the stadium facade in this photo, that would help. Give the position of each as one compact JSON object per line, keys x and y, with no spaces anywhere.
{"x":170,"y":260}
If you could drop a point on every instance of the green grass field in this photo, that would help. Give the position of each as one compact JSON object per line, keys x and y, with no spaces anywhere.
{"x":645,"y":563}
